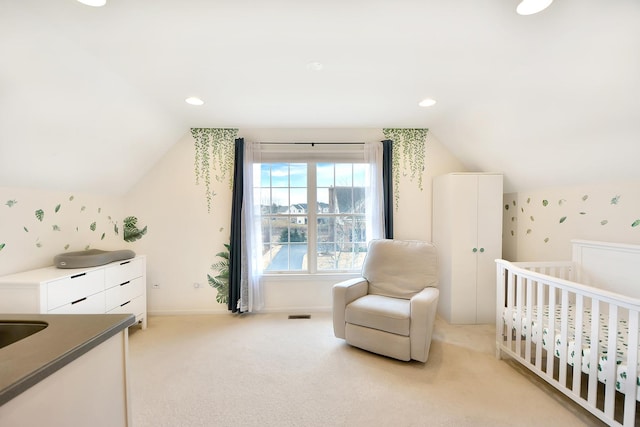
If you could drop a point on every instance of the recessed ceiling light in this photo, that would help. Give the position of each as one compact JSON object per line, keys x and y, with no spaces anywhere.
{"x":428,"y":102}
{"x":193,"y":100}
{"x":94,"y":3}
{"x":315,"y":66}
{"x":529,"y":7}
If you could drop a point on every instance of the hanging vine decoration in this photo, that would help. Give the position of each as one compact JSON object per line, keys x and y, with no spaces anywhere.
{"x":408,"y":148}
{"x":214,"y":150}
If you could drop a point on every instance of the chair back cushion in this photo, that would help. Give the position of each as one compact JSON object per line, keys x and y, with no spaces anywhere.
{"x":400,"y":268}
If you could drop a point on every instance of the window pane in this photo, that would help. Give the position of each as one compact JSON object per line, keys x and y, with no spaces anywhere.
{"x":298,"y":174}
{"x":280,"y":175}
{"x":360,"y":175}
{"x":341,"y":200}
{"x":263,"y":176}
{"x":322,"y":200}
{"x":299,"y":198}
{"x":344,"y":174}
{"x":325,"y":175}
{"x":279,"y":200}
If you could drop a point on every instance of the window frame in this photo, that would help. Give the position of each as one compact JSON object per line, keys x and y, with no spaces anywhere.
{"x":288,"y":153}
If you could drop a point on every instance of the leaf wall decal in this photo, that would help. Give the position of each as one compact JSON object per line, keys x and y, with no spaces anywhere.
{"x":57,"y":208}
{"x":636,"y":223}
{"x":563,"y":219}
{"x":55,"y":228}
{"x":2,"y":245}
{"x":615,"y":200}
{"x":585,"y":197}
{"x":40,"y":215}
{"x":604,"y":222}
{"x":545,"y":202}
{"x":26,"y":229}
{"x":92,"y":227}
{"x":11,"y":203}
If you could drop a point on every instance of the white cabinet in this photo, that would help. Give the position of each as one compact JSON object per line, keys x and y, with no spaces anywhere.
{"x":467,"y":230}
{"x":119,"y":287}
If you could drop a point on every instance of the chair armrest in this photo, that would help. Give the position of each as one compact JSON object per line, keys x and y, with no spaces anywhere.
{"x":343,"y":294}
{"x":423,"y":315}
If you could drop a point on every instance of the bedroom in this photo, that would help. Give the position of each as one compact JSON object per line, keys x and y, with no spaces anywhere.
{"x":93,"y":116}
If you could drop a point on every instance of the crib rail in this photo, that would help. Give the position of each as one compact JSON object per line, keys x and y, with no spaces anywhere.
{"x":575,"y":361}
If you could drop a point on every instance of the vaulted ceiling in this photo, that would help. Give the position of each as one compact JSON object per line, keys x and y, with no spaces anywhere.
{"x":91,"y":98}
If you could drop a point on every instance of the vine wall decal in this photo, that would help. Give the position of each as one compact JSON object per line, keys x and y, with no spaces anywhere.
{"x":408,"y":151}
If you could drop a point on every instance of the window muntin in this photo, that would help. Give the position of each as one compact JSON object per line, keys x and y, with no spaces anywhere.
{"x":313,"y":216}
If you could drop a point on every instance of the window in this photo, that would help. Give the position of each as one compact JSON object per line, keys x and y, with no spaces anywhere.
{"x":315,"y":215}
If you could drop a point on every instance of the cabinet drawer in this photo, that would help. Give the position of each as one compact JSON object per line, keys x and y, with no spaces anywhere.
{"x":64,"y":291}
{"x":93,"y":304}
{"x":123,"y":271}
{"x":117,"y":295}
{"x":135,"y":306}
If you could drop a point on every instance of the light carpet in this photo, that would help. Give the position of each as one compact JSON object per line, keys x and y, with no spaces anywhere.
{"x":268,"y":370}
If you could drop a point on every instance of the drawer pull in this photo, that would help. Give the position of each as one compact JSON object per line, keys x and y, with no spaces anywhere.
{"x":79,"y":275}
{"x":80,"y":300}
{"x":126,"y":262}
{"x":122,"y":305}
{"x":125,"y":283}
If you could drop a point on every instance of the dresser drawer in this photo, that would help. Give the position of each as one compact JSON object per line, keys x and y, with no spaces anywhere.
{"x":117,"y":295}
{"x":64,"y":291}
{"x":123,"y":271}
{"x":136,"y":306}
{"x":92,"y":304}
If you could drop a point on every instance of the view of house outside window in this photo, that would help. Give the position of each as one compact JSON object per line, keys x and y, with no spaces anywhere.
{"x":313,"y":216}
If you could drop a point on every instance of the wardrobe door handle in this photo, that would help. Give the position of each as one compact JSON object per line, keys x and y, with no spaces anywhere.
{"x":475,"y":250}
{"x":481,"y":249}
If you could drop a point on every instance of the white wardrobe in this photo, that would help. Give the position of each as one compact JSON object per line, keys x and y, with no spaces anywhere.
{"x":467,"y":230}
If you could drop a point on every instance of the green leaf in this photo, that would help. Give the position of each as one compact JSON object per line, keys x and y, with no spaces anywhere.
{"x":563,"y":219}
{"x":604,"y":222}
{"x":102,"y":238}
{"x":2,"y":245}
{"x":636,"y":223}
{"x":40,"y":215}
{"x":26,"y":229}
{"x":67,"y":245}
{"x":11,"y":203}
{"x":585,"y":197}
{"x":92,"y":227}
{"x":71,"y":198}
{"x":546,"y":240}
{"x":55,"y":228}
{"x":545,"y":202}
{"x":82,"y":209}
{"x":57,"y":208}
{"x":615,"y":200}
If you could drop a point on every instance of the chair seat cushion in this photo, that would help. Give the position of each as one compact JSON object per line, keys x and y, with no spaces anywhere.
{"x":380,"y":312}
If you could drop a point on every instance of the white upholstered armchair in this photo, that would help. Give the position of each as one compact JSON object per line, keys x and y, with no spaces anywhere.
{"x":391,"y":309}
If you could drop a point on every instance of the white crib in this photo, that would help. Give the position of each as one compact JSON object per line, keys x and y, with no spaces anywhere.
{"x":564,"y":320}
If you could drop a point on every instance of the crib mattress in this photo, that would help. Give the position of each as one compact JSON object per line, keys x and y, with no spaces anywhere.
{"x":553,"y":342}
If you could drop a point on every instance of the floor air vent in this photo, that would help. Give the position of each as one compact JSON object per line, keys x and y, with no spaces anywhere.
{"x":299,"y":316}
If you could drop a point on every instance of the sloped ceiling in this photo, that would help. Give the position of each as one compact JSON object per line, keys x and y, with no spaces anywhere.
{"x":91,"y":98}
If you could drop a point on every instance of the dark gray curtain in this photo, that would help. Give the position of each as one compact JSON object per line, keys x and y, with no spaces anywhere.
{"x":235,"y":254}
{"x":387,"y":185}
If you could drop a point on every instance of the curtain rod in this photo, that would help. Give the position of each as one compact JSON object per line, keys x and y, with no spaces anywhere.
{"x":313,"y":143}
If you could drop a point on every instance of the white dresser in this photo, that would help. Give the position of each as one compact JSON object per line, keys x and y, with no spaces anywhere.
{"x":119,"y":287}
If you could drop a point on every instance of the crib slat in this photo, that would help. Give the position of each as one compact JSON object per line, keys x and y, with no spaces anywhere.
{"x":529,"y":311}
{"x":519,"y":291}
{"x":509,"y":311}
{"x":577,"y":357}
{"x":593,"y":353}
{"x":551,"y":327}
{"x":610,"y":364}
{"x":631,"y":387}
{"x":564,"y":320}
{"x":539,"y":324}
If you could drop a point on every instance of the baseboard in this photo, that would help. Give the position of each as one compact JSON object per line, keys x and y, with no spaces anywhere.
{"x":290,"y":310}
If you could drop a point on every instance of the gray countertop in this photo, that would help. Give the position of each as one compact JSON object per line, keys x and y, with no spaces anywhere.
{"x":67,"y":337}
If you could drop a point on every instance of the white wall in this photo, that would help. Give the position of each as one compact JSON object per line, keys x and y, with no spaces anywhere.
{"x":183,"y":238}
{"x":539,"y":225}
{"x":65,"y":226}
